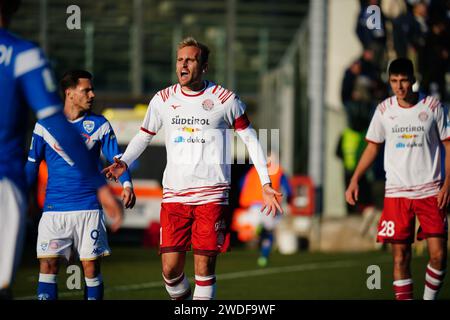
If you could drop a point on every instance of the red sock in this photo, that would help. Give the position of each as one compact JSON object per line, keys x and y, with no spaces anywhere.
{"x":403,"y":289}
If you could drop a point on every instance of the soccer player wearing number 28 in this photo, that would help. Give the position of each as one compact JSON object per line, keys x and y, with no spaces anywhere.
{"x":196,"y":115}
{"x":415,"y":131}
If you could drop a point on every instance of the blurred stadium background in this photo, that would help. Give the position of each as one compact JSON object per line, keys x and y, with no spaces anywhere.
{"x":287,"y":60}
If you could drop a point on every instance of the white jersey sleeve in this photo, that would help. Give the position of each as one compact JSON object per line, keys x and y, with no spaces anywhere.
{"x":153,"y":120}
{"x":235,"y":114}
{"x":442,"y":121}
{"x":376,"y":132}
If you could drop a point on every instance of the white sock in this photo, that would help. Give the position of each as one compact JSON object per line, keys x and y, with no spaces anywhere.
{"x":178,"y":288}
{"x":47,"y":278}
{"x":205,"y":287}
{"x":94,"y":282}
{"x":433,"y":282}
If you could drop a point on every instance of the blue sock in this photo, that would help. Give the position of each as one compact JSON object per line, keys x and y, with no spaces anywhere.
{"x":266,"y":245}
{"x":47,"y":287}
{"x":94,"y":288}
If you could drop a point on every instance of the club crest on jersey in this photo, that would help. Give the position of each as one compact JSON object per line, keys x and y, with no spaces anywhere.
{"x":207,"y":105}
{"x":423,"y":116}
{"x":88,"y":125}
{"x":44,"y":246}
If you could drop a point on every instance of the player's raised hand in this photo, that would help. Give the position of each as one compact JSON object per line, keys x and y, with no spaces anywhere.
{"x":351,"y":194}
{"x":112,"y":207}
{"x":114,"y":171}
{"x":270,"y":200}
{"x":443,"y":197}
{"x":128,"y":197}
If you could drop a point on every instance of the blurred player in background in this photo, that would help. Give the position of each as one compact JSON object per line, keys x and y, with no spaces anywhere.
{"x":72,"y":215}
{"x":26,"y":79}
{"x":414,"y":129}
{"x":251,"y":199}
{"x":196,"y":114}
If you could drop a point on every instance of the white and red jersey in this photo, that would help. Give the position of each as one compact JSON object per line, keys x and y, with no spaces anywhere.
{"x":196,"y":124}
{"x":412,"y":156}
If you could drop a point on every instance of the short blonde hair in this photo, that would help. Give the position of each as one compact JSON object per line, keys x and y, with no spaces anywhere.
{"x":192,"y":42}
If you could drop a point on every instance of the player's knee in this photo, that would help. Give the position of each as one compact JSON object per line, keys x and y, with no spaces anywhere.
{"x":49,"y":266}
{"x":402,"y":260}
{"x":438,"y":259}
{"x":91,"y":268}
{"x":171,"y":272}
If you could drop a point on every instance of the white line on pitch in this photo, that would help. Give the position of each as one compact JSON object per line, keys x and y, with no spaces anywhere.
{"x":226,"y":276}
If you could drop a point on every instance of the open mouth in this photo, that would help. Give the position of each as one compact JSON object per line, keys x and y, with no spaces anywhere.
{"x":184,"y":73}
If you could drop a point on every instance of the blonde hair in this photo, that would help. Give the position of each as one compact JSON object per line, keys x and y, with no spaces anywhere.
{"x":192,"y":42}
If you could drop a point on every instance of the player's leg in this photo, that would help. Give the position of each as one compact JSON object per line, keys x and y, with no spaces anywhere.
{"x":47,"y":287}
{"x":12,"y":222}
{"x":397,"y":226}
{"x":94,"y":288}
{"x":175,"y":240}
{"x":91,"y":242}
{"x":267,"y":237}
{"x":205,"y":277}
{"x":265,"y":247}
{"x":210,"y":236}
{"x":403,"y":283}
{"x":176,"y":282}
{"x":434,"y":277}
{"x":433,"y":227}
{"x":54,"y":241}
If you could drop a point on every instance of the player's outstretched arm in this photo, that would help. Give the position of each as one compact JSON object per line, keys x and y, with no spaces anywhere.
{"x":367,"y":158}
{"x":114,"y":171}
{"x":134,"y":149}
{"x":443,"y":197}
{"x":111,"y":206}
{"x":271,"y":204}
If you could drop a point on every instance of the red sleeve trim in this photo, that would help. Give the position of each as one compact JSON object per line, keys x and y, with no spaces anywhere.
{"x":370,"y":141}
{"x":148,"y":131}
{"x":446,"y":139}
{"x":241,"y":123}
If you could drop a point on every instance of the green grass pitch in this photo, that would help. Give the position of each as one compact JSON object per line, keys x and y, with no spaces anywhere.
{"x":135,"y":273}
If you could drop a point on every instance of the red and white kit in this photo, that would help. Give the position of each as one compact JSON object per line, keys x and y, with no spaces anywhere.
{"x":414,"y":166}
{"x":198,"y":170}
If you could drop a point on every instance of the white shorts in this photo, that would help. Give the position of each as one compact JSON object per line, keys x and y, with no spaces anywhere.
{"x":12,"y":224}
{"x":83,"y":230}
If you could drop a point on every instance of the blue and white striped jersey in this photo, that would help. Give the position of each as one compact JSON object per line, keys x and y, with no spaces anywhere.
{"x":25,"y":80}
{"x":67,"y":189}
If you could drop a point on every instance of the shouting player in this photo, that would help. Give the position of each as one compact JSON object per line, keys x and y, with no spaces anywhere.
{"x":72,"y":216}
{"x":196,"y":114}
{"x":26,"y":79}
{"x":414,"y":130}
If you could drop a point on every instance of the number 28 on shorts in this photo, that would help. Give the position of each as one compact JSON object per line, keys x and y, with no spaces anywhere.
{"x":387,"y":228}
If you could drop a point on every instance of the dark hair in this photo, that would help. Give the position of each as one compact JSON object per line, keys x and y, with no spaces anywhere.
{"x":70,"y":80}
{"x":401,"y":66}
{"x":8,"y":7}
{"x":191,"y":42}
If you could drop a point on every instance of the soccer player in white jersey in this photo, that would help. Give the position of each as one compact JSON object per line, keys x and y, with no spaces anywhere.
{"x":73,"y":217}
{"x":196,"y":115}
{"x":26,"y":80}
{"x":415,"y":131}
